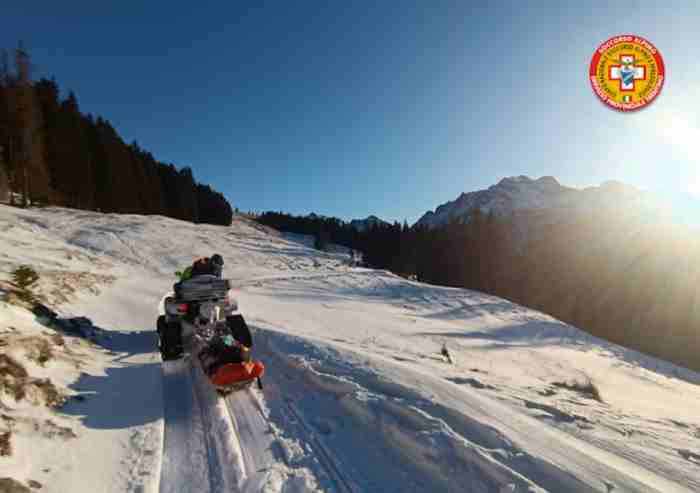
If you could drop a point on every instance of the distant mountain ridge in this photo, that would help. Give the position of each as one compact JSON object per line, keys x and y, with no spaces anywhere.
{"x":369,"y":221}
{"x":521,"y":193}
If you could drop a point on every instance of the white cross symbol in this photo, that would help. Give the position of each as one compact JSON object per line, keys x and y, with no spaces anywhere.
{"x":627,"y":72}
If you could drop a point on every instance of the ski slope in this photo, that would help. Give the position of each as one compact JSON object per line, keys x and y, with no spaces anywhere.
{"x":357,"y":397}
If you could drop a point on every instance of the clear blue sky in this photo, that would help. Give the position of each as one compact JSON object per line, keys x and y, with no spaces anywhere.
{"x":354,"y":108}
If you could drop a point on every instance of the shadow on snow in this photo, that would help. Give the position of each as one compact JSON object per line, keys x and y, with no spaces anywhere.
{"x":129,"y":393}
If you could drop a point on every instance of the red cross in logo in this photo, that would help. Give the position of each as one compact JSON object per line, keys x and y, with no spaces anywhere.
{"x":627,"y":72}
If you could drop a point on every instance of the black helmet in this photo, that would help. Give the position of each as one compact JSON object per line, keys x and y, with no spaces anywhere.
{"x":217,"y":259}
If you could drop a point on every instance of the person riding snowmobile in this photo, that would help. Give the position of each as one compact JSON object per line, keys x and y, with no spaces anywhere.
{"x":203,"y":266}
{"x":168,"y":327}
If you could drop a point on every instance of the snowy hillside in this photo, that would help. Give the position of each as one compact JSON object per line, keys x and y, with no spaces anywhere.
{"x":357,"y":395}
{"x":520,"y":193}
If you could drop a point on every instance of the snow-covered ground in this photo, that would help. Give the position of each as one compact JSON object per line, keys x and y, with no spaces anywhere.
{"x":357,"y":397}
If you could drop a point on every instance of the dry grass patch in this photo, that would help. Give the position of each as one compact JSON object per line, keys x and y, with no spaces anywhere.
{"x":59,"y":286}
{"x":58,"y":340}
{"x":5,"y":444}
{"x":9,"y":485}
{"x":11,"y":367}
{"x":13,"y":377}
{"x":55,"y":286}
{"x":49,"y":393}
{"x":38,"y":349}
{"x":15,"y":381}
{"x":15,"y":296}
{"x":52,"y":430}
{"x":46,"y":428}
{"x":584,"y":387}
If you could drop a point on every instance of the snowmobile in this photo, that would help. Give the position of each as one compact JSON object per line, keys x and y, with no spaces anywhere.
{"x":201,"y":315}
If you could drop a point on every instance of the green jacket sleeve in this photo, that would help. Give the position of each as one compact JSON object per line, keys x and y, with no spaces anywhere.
{"x":185,"y":274}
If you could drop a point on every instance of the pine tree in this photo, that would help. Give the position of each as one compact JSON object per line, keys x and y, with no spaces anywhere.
{"x":4,"y":182}
{"x":31,"y":168}
{"x":50,"y":152}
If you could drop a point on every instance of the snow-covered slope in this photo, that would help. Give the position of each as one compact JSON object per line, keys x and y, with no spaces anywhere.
{"x":357,"y":396}
{"x":521,"y":193}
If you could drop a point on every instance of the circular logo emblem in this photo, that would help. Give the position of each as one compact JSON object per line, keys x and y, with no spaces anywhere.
{"x":627,"y":72}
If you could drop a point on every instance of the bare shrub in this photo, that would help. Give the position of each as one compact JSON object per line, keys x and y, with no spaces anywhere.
{"x":25,"y":277}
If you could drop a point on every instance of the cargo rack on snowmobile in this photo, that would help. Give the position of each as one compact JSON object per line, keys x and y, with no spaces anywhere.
{"x":202,"y":288}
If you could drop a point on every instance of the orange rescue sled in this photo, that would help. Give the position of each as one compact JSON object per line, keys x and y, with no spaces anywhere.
{"x":232,"y":374}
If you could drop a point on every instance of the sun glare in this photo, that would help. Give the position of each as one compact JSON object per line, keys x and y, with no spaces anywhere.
{"x":694,"y":186}
{"x":681,"y":133}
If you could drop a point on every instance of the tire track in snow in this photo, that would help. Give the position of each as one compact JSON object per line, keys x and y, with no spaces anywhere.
{"x":185,"y":457}
{"x":212,"y":444}
{"x":216,"y":481}
{"x":325,"y":456}
{"x":255,"y":438}
{"x":200,"y":451}
{"x":267,"y":466}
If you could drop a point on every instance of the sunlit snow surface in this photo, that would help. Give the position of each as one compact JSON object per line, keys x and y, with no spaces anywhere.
{"x":356,"y":398}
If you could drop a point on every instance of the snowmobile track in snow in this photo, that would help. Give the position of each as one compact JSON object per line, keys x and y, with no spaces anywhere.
{"x":324,"y":456}
{"x":184,"y":449}
{"x":197,"y":447}
{"x":253,"y":435}
{"x":260,"y":447}
{"x":196,"y":452}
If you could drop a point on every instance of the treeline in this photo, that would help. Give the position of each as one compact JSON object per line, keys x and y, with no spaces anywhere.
{"x":51,"y":153}
{"x":430,"y":254}
{"x":629,"y":281}
{"x":324,"y":229}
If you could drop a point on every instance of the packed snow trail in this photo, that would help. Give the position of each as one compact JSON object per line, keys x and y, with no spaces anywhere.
{"x":255,"y":438}
{"x":200,"y":445}
{"x":185,"y":460}
{"x":221,"y":444}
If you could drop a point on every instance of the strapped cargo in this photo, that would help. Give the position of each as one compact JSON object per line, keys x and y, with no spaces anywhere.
{"x":202,"y":288}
